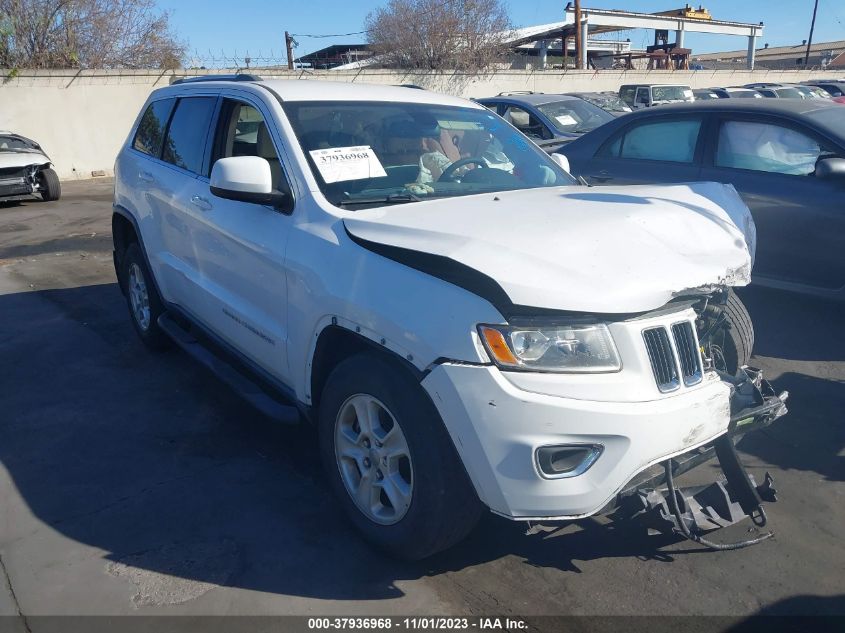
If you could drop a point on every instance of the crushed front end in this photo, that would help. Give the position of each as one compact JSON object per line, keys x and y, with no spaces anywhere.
{"x":18,"y":181}
{"x":546,"y":446}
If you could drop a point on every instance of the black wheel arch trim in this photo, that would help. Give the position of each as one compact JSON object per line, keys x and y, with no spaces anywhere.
{"x":127,"y":215}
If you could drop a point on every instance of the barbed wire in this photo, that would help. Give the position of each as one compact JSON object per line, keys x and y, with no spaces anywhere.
{"x":248,"y":59}
{"x":236,"y":59}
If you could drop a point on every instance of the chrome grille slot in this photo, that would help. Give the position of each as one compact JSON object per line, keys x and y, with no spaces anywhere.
{"x":688,"y":354}
{"x":662,"y":358}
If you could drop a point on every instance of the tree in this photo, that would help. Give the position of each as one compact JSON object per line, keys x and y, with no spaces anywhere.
{"x":468,"y":35}
{"x":86,"y":34}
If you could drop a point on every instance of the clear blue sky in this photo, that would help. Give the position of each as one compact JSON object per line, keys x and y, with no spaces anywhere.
{"x":212,"y":27}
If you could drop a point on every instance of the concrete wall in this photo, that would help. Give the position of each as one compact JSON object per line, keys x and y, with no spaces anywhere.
{"x":82,"y":118}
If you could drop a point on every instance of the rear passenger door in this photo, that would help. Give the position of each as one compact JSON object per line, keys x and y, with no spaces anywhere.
{"x":800,"y":219}
{"x":662,"y":149}
{"x":169,"y":149}
{"x":239,"y":247}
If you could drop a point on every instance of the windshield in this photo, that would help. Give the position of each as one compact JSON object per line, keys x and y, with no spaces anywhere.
{"x":745,"y":94}
{"x":789,"y":93}
{"x":575,"y":115}
{"x":609,"y":102}
{"x":671,"y":93}
{"x":833,"y":118}
{"x":11,"y":143}
{"x":377,"y":153}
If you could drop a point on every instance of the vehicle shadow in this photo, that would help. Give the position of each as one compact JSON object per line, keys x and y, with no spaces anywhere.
{"x":794,"y":327}
{"x":149,"y":458}
{"x":799,"y":613}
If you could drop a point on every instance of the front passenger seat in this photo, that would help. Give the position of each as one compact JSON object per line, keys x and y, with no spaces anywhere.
{"x":265,"y":149}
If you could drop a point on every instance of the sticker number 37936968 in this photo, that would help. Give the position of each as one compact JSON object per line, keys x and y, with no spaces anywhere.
{"x":338,"y":164}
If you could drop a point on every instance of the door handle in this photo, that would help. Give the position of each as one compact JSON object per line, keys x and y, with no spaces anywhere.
{"x":201,"y":203}
{"x":145,"y":176}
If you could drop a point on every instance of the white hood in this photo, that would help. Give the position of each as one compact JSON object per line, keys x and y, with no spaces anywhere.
{"x":21,"y":159}
{"x":604,"y":249}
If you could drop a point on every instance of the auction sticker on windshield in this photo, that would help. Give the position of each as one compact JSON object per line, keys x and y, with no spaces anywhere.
{"x":566,"y":119}
{"x":338,"y":164}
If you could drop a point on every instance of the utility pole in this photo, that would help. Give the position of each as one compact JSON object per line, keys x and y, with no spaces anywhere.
{"x":289,"y":46}
{"x":810,"y":41}
{"x":578,"y":42}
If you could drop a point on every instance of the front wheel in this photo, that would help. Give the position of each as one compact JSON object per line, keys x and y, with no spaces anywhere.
{"x":51,"y":188}
{"x":730,"y":337}
{"x":390,"y":460}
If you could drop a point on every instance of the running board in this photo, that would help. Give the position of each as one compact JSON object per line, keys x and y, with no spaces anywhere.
{"x":245,"y":387}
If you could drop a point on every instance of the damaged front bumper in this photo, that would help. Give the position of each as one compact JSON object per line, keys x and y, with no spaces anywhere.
{"x":19,"y":181}
{"x":694,"y":511}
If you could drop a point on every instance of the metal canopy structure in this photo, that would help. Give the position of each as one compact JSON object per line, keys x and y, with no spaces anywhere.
{"x":597,"y":21}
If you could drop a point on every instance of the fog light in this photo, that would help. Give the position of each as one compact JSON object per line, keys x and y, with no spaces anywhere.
{"x":566,"y":460}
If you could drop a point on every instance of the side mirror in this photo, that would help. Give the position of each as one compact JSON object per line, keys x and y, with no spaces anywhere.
{"x":561,"y":161}
{"x":247,"y":179}
{"x":830,"y":168}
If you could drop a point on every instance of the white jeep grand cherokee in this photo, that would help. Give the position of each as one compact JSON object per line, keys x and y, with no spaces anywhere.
{"x":466,"y":324}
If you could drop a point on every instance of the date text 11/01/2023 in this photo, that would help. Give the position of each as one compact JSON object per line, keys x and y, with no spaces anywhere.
{"x":418,"y":623}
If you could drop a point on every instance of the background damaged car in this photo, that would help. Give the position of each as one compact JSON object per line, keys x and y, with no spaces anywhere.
{"x":25,"y":169}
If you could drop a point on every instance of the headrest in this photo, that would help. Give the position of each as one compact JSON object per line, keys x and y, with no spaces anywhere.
{"x":518,"y":118}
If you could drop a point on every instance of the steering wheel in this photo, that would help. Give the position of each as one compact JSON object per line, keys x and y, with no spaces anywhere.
{"x":449,"y":172}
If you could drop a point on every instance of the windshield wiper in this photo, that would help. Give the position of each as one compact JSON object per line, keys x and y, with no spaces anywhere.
{"x":394,"y":198}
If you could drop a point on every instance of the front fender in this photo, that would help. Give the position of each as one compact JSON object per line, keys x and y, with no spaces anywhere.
{"x":334,"y":281}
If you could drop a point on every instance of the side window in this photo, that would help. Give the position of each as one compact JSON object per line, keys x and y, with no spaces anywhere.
{"x":526,"y":123}
{"x":626,"y":93}
{"x":766,"y":147}
{"x":188,"y":131}
{"x":642,"y":96}
{"x":150,"y":132}
{"x":242,"y":131}
{"x":673,"y":140}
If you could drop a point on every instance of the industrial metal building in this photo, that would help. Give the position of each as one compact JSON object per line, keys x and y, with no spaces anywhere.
{"x":822,"y":55}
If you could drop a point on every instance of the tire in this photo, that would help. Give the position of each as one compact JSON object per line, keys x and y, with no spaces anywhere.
{"x":51,"y":188}
{"x":738,"y":341}
{"x":145,"y":306}
{"x":439,"y":507}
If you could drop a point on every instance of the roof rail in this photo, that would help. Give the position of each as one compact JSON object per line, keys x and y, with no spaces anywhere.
{"x":231,"y":77}
{"x":518,"y":92}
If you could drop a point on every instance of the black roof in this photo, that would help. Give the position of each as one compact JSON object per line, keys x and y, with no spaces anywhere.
{"x":790,"y":108}
{"x":538,"y":98}
{"x":772,"y":106}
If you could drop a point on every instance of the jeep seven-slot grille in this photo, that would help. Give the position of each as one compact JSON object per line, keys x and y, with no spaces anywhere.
{"x":667,"y":361}
{"x":662,"y":358}
{"x":688,"y":354}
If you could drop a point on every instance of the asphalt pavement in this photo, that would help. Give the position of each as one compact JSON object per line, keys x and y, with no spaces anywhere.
{"x":136,"y":483}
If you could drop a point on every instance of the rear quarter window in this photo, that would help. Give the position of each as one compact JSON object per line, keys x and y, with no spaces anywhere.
{"x":150,"y":133}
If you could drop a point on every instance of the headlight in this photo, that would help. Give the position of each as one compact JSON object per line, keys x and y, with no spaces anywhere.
{"x":576,"y":348}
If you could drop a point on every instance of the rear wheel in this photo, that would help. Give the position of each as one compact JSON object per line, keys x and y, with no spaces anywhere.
{"x":51,"y":188}
{"x":145,"y":306}
{"x":390,"y":460}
